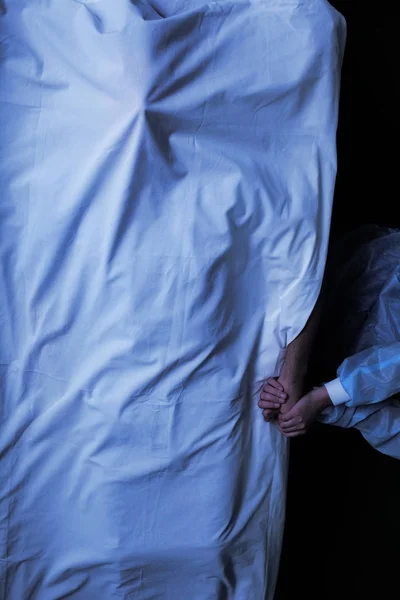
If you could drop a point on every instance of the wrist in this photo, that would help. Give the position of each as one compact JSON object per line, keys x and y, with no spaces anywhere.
{"x":321,"y":398}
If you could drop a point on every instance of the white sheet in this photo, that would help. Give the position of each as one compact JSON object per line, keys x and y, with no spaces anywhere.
{"x":166,"y":180}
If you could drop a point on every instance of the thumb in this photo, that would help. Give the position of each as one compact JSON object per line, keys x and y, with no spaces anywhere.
{"x":283,"y":417}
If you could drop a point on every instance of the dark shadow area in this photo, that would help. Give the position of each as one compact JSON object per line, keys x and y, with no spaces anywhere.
{"x":342,"y":537}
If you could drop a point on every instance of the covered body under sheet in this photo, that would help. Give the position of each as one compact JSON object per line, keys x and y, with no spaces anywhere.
{"x":166,"y":179}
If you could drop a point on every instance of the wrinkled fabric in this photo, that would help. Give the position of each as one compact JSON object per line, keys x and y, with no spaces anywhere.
{"x":372,"y":375}
{"x":378,"y":423}
{"x":166,"y":180}
{"x":364,"y":293}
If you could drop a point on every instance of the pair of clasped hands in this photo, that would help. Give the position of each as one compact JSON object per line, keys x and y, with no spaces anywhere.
{"x":283,"y":401}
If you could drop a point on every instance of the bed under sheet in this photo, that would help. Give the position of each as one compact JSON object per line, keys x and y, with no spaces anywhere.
{"x":166,"y":179}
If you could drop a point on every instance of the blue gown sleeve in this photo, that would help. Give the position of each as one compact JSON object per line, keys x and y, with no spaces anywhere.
{"x":372,"y":375}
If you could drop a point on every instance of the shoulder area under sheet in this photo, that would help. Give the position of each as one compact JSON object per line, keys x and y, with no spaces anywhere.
{"x":198,"y":135}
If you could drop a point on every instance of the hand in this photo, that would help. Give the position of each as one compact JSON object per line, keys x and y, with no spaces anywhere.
{"x":300,"y":417}
{"x":279,"y":395}
{"x":272,"y":397}
{"x":294,"y":386}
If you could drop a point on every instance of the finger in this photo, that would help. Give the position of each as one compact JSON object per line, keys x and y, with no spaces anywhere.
{"x":273,"y":397}
{"x":288,"y":416}
{"x":296,"y":421}
{"x":269,"y":389}
{"x":274,"y":383}
{"x":269,"y":415}
{"x":295,"y":434}
{"x":268,"y":412}
{"x":266,"y":404}
{"x":294,"y":428}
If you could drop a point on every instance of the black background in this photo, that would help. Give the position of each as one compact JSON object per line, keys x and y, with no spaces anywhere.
{"x":342,"y":538}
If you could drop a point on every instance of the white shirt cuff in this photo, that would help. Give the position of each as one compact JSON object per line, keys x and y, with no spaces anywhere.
{"x":336,"y":392}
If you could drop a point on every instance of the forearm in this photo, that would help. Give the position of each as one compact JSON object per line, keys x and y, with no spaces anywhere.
{"x":298,"y":351}
{"x":372,"y":375}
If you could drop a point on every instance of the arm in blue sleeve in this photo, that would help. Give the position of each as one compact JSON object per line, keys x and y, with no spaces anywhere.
{"x":372,"y":375}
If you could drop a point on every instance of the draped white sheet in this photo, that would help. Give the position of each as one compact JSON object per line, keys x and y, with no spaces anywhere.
{"x":166,"y":179}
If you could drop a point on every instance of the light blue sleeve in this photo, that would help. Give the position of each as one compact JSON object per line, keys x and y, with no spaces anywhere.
{"x":372,"y":375}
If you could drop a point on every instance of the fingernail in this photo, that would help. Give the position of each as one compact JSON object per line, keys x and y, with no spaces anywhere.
{"x":277,"y":405}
